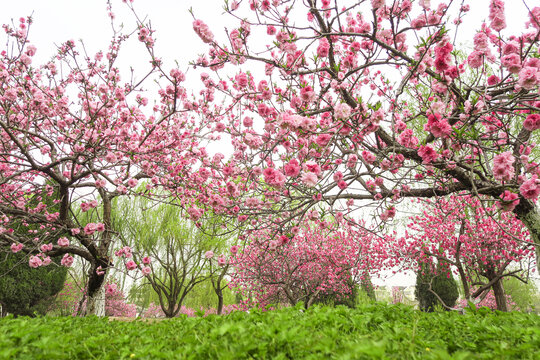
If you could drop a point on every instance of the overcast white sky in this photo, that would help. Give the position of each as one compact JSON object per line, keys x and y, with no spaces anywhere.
{"x":58,"y":20}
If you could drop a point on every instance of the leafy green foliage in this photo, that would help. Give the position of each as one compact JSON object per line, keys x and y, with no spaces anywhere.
{"x":24,"y":290}
{"x":524,"y":295}
{"x":373,"y":331}
{"x":203,"y":295}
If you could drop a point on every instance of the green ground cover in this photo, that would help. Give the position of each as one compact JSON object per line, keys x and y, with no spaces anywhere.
{"x":371,"y":331}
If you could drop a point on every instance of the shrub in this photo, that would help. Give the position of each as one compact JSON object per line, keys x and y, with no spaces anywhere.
{"x":28,"y":291}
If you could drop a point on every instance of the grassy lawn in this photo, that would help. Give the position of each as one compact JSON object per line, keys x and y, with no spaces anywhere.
{"x":371,"y":331}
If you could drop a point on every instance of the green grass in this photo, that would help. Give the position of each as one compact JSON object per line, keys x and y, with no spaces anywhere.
{"x":372,"y":331}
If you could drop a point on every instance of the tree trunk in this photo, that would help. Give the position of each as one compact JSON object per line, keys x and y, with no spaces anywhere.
{"x":528,"y":214}
{"x":220,"y":302}
{"x":500,"y":298}
{"x":95,"y":304}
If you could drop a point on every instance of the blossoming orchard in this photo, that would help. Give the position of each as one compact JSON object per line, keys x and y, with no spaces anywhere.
{"x":313,"y":146}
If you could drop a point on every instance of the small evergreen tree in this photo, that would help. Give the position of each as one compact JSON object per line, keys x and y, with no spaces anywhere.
{"x":424,"y":279}
{"x":440,"y":282}
{"x":445,"y":285}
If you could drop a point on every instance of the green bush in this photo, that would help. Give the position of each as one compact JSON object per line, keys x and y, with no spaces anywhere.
{"x":28,"y":291}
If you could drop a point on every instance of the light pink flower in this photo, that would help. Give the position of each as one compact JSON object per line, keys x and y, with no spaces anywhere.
{"x":323,"y":139}
{"x":111,"y":157}
{"x":529,"y":77}
{"x":15,"y":248}
{"x":46,"y":247}
{"x":419,"y":22}
{"x":496,"y":15}
{"x":222,"y":261}
{"x":324,"y":47}
{"x":511,"y":47}
{"x":475,"y":59}
{"x":342,"y":111}
{"x":481,"y":41}
{"x":234,"y":249}
{"x":534,"y":18}
{"x":248,"y":122}
{"x":132,"y":182}
{"x":146,"y":271}
{"x":31,"y":50}
{"x":512,"y":62}
{"x":509,"y":201}
{"x":90,"y":228}
{"x":209,"y":254}
{"x":368,"y":157}
{"x":241,"y":80}
{"x":274,"y":177}
{"x":338,"y":176}
{"x":503,"y":168}
{"x":376,"y":4}
{"x":530,"y":189}
{"x":34,"y":262}
{"x":532,"y":122}
{"x":67,"y":260}
{"x":272,"y":245}
{"x":203,"y":31}
{"x":131,"y":265}
{"x":309,"y":179}
{"x":146,"y":260}
{"x":292,"y":168}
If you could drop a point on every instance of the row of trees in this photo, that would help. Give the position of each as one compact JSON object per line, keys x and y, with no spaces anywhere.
{"x":350,"y":104}
{"x":319,"y":265}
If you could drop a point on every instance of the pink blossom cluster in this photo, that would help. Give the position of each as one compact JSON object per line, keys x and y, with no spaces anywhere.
{"x":529,"y":75}
{"x":69,"y":298}
{"x":530,"y":189}
{"x":437,"y":126}
{"x":16,"y":247}
{"x":532,"y":122}
{"x":91,"y":228}
{"x":203,"y":31}
{"x":509,"y":201}
{"x":503,"y":168}
{"x":314,"y":261}
{"x":115,"y":302}
{"x":489,"y":301}
{"x":496,"y":15}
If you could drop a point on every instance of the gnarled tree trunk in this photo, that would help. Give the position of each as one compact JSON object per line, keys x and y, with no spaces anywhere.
{"x":500,"y":298}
